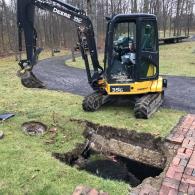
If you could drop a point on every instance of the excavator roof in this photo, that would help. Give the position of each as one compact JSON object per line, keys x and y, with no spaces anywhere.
{"x":135,"y":15}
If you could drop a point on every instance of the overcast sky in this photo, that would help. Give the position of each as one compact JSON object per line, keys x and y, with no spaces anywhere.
{"x":7,"y":1}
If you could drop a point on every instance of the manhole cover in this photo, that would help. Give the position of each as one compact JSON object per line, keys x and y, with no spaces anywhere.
{"x":34,"y":128}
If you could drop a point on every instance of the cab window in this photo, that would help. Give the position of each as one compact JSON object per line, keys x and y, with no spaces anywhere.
{"x":148,"y":49}
{"x":124,"y":52}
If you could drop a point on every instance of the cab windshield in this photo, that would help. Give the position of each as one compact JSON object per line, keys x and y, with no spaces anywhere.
{"x":123,"y":60}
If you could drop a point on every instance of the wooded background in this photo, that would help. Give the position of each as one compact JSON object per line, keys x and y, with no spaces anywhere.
{"x":175,"y":17}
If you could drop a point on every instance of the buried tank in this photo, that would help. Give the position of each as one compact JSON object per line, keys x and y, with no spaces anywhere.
{"x":141,"y":147}
{"x":117,"y":154}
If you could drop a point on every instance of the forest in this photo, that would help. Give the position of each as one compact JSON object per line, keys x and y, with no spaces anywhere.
{"x":175,"y":17}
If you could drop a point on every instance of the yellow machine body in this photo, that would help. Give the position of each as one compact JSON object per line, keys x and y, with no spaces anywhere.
{"x":136,"y":88}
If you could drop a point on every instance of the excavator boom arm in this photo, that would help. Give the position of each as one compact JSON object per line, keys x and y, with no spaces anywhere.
{"x":25,"y":22}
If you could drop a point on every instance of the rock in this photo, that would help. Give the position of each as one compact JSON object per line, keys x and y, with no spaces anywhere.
{"x":53,"y":130}
{"x":1,"y":134}
{"x":84,"y":190}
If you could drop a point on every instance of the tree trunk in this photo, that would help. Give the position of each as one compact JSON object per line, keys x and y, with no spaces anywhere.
{"x":73,"y":55}
{"x":92,"y":13}
{"x":176,"y":23}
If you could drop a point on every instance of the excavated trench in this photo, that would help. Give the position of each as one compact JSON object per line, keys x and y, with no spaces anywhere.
{"x":118,"y":154}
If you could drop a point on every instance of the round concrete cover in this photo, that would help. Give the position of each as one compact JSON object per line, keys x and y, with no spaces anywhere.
{"x":34,"y":128}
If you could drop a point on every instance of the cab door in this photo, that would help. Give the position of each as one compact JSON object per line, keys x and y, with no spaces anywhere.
{"x":149,"y":50}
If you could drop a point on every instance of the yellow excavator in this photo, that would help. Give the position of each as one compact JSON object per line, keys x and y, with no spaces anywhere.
{"x":131,"y":55}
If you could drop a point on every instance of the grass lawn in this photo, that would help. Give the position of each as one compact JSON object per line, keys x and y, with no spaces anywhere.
{"x":26,"y":164}
{"x":175,"y":59}
{"x":178,"y":59}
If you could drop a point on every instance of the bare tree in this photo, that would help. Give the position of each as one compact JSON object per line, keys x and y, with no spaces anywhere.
{"x":174,"y":16}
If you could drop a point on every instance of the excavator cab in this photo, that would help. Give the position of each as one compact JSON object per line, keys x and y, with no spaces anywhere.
{"x":133,"y":54}
{"x":131,"y":57}
{"x":131,"y":64}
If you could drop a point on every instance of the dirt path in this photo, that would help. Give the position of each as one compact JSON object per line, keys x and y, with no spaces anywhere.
{"x":56,"y":76}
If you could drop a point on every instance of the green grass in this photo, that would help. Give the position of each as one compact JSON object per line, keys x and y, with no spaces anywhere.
{"x":178,"y":59}
{"x":27,"y":166}
{"x":167,"y":34}
{"x":175,"y":59}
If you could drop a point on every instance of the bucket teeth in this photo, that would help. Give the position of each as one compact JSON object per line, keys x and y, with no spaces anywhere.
{"x":29,"y":80}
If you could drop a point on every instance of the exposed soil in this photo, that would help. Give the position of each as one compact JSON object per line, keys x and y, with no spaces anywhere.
{"x":110,"y":165}
{"x":132,"y":137}
{"x":180,"y":93}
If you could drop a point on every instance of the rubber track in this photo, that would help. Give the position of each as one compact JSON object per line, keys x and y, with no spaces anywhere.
{"x":147,"y":105}
{"x":92,"y":102}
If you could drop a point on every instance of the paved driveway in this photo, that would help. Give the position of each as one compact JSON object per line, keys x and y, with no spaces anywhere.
{"x":180,"y":93}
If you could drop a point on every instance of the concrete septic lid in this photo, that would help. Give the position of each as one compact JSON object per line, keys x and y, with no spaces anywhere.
{"x":34,"y":128}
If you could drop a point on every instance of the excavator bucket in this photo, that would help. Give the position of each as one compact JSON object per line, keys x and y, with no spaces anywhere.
{"x":29,"y":80}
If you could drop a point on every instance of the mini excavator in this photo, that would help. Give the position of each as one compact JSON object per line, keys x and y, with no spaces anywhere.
{"x":131,"y":56}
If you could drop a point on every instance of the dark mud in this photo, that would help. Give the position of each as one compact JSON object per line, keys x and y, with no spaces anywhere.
{"x":109,"y":166}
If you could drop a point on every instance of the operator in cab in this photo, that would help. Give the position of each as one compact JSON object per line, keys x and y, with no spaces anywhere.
{"x":124,"y":52}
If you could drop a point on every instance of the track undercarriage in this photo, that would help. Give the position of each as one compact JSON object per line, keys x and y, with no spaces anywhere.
{"x":148,"y":104}
{"x":144,"y":105}
{"x":94,"y":101}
